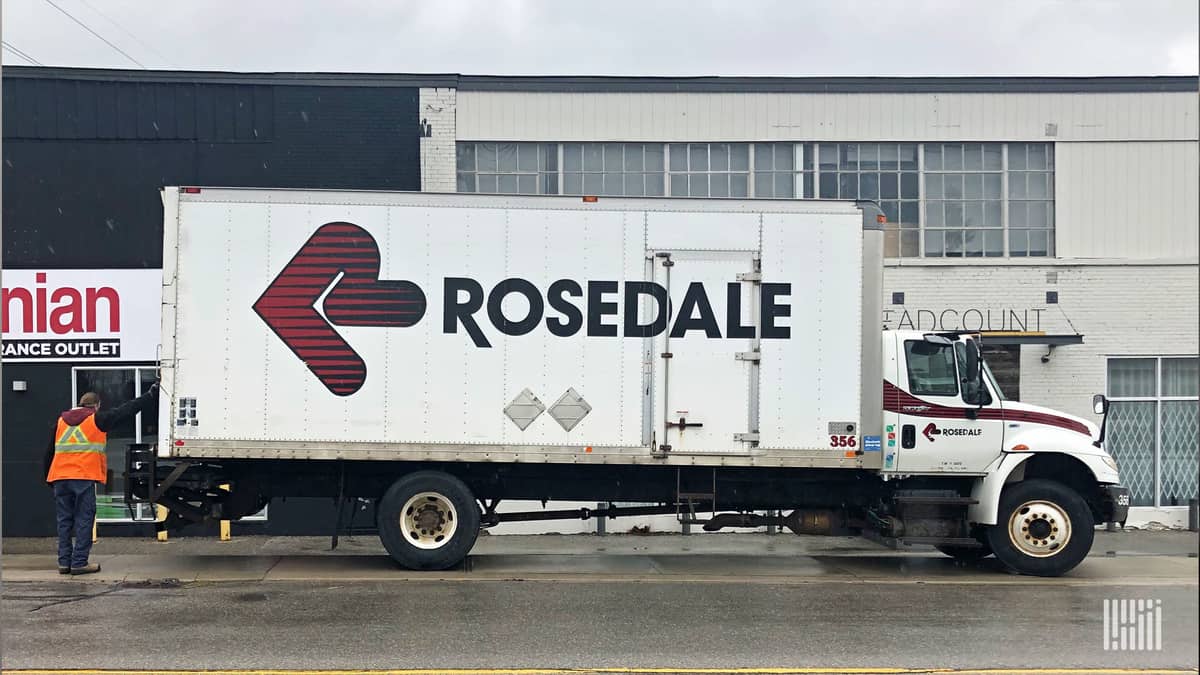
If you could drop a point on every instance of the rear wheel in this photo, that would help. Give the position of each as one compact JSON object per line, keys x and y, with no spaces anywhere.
{"x":428,"y":520}
{"x":1043,"y":528}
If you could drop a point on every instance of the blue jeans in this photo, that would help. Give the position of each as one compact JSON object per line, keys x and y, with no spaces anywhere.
{"x":75,"y":502}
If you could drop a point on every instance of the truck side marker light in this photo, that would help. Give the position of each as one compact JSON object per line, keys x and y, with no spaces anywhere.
{"x":590,"y":199}
{"x":178,"y":443}
{"x":1020,"y":447}
{"x":588,"y":449}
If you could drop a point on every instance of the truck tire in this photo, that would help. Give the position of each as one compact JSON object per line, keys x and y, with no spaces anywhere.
{"x":966,"y":553}
{"x":1043,"y":528}
{"x":428,"y":520}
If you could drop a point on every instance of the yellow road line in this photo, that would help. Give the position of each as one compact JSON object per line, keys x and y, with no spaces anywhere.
{"x":631,"y":671}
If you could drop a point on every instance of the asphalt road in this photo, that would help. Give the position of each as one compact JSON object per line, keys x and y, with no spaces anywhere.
{"x":572,"y":624}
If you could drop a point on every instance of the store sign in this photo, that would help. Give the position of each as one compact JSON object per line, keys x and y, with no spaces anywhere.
{"x":81,"y":315}
{"x":1019,"y":319}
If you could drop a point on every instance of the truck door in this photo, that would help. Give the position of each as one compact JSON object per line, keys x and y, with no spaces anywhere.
{"x":939,"y":432}
{"x":707,"y":369}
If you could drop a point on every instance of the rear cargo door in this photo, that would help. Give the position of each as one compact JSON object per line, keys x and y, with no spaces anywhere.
{"x":707,"y":373}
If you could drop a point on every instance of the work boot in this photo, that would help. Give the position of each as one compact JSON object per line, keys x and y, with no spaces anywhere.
{"x":90,"y":568}
{"x":64,"y":570}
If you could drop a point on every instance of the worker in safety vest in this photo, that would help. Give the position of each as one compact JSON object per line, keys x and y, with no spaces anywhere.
{"x":75,"y":464}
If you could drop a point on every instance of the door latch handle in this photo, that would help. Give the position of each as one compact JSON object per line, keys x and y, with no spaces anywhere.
{"x":908,"y":436}
{"x":683,"y":423}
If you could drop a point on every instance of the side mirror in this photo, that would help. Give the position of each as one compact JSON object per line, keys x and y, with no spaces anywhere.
{"x":973,"y":362}
{"x":1100,"y":404}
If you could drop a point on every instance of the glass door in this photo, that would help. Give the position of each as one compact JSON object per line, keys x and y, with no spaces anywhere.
{"x":116,"y":385}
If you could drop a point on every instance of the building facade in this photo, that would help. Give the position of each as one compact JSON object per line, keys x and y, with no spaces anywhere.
{"x":1057,"y":215}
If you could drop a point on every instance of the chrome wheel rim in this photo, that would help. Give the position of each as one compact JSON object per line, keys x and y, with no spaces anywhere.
{"x":429,"y":520}
{"x":1039,"y":528}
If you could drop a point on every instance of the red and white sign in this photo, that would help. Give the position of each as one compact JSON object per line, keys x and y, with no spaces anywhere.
{"x":81,"y":315}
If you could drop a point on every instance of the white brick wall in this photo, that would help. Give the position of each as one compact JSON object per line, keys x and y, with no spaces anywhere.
{"x":438,"y":109}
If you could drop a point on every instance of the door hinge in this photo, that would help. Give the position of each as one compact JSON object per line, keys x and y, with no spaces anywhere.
{"x":748,"y":437}
{"x":749,"y":276}
{"x":748,"y":356}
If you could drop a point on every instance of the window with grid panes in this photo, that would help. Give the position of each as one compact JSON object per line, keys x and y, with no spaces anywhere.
{"x":883,"y":172}
{"x":776,"y":175}
{"x":508,"y":168}
{"x":1030,"y":199}
{"x":1153,"y":428}
{"x":964,"y":199}
{"x":709,"y":169}
{"x":614,"y":169}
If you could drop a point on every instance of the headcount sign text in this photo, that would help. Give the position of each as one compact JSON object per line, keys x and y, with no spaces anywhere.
{"x":965,"y":318}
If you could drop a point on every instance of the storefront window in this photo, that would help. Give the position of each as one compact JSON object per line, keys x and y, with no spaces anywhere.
{"x":1154,"y":427}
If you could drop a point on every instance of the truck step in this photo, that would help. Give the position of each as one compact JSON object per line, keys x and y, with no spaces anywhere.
{"x":897,"y":542}
{"x":946,"y":497}
{"x":965,"y":542}
{"x":949,"y":501}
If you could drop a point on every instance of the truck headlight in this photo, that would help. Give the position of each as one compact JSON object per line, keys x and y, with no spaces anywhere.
{"x":1112,"y":463}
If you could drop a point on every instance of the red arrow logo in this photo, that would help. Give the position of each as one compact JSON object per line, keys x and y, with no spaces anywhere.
{"x":930,"y":431}
{"x":288,"y":306}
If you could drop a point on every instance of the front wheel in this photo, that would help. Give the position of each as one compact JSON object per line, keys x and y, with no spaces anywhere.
{"x":1043,"y":528}
{"x":428,"y":520}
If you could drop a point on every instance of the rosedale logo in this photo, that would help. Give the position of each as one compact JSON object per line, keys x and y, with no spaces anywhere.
{"x":346,"y":257}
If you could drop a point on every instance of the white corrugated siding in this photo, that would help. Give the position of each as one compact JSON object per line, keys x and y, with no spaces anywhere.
{"x":516,"y":116}
{"x":1127,"y":200}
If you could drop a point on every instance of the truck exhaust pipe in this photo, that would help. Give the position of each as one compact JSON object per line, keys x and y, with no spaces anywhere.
{"x":800,"y":521}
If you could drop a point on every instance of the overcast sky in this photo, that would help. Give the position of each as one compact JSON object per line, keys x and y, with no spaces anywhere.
{"x":616,"y":37}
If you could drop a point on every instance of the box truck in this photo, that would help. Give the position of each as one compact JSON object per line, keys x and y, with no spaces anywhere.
{"x":723,"y":360}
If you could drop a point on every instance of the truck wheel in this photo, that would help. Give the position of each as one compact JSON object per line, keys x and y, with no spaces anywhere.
{"x":966,"y":553}
{"x":428,"y":520}
{"x":1043,"y":528}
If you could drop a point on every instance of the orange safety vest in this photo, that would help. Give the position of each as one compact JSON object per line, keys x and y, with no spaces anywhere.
{"x":79,"y":452}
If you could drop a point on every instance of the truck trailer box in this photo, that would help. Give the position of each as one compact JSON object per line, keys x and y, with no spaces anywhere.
{"x":350,"y":325}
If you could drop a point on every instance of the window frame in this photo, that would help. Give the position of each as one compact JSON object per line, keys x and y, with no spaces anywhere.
{"x":909,"y":373}
{"x":806,"y":173}
{"x":926,"y":201}
{"x":708,"y":172}
{"x":1157,"y":399}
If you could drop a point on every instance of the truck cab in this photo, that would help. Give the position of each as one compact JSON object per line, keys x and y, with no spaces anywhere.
{"x":945,"y":415}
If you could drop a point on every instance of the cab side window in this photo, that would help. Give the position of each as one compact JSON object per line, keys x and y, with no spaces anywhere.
{"x":974,"y":393}
{"x":931,"y":369}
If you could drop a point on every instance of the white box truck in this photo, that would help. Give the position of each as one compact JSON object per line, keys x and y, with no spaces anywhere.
{"x":717,"y":359}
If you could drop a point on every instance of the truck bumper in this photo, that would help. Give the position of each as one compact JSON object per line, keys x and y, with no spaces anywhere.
{"x":1114,"y":504}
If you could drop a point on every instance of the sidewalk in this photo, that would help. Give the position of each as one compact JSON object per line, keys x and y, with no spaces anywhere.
{"x":1125,"y":557}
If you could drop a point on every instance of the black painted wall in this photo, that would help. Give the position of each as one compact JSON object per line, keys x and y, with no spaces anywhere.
{"x":84,"y":161}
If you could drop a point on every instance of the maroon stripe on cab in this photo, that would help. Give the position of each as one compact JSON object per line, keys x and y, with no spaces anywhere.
{"x":896,"y":399}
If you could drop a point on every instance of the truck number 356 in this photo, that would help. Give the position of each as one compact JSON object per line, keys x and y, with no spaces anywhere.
{"x":843,"y":441}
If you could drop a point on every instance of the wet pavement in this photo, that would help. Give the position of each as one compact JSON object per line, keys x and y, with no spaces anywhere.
{"x":584,"y":602}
